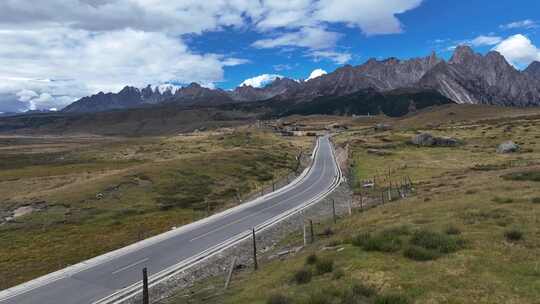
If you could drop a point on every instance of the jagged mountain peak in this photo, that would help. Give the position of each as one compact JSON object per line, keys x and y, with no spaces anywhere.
{"x":194,"y":85}
{"x":129,"y":89}
{"x":463,"y":54}
{"x":533,"y":70}
{"x":468,"y":77}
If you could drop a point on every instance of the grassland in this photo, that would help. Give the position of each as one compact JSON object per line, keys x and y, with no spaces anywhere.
{"x":470,"y":234}
{"x":76,"y":197}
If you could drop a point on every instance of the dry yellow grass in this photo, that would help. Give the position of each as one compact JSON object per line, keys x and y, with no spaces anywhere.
{"x":460,"y":188}
{"x":111,"y":192}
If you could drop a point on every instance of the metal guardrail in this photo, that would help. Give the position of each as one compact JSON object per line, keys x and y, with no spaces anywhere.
{"x":136,"y":288}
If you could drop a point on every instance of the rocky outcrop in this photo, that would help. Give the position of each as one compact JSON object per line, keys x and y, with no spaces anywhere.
{"x":384,"y":75}
{"x":428,"y":140}
{"x":128,"y":97}
{"x":197,"y":94}
{"x":193,"y":94}
{"x":277,"y":87}
{"x":533,"y":70}
{"x":472,"y":78}
{"x":468,"y":77}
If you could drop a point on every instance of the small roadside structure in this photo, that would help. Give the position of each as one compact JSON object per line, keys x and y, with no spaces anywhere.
{"x":381,"y":127}
{"x":508,"y":147}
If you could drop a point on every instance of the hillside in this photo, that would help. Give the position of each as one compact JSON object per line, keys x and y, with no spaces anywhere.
{"x":469,"y":232}
{"x":162,"y":120}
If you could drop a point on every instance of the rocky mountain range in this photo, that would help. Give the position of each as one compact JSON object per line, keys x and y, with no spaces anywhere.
{"x":468,"y":77}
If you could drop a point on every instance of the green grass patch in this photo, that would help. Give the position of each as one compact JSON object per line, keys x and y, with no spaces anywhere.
{"x":533,"y":176}
{"x":502,"y":200}
{"x":514,"y":235}
{"x":386,"y":241}
{"x":535,"y":200}
{"x":436,"y":241}
{"x":418,"y":253}
{"x":302,"y":276}
{"x":324,"y":265}
{"x":392,"y":299}
{"x":311,"y":259}
{"x":278,"y":299}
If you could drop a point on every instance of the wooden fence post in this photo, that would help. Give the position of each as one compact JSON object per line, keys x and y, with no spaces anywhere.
{"x":312,"y":240}
{"x":146,"y":296}
{"x":334,"y":211}
{"x":230,"y":273}
{"x":255,"y":264}
{"x":304,"y":227}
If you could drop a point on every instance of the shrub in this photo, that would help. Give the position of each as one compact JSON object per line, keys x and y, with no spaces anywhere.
{"x":323,"y":266}
{"x":311,"y":259}
{"x":302,"y":276}
{"x":452,"y":230}
{"x":391,"y":299}
{"x":357,"y":293}
{"x":384,"y":242}
{"x":533,"y":176}
{"x":502,"y":200}
{"x":397,"y":231}
{"x":338,"y":274}
{"x":361,"y":290}
{"x":436,"y":241}
{"x":513,"y":235}
{"x":278,"y":299}
{"x":327,"y":231}
{"x":420,"y":254}
{"x":535,"y":200}
{"x":319,"y":298}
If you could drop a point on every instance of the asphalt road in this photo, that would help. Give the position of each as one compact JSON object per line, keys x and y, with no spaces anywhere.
{"x":101,"y":280}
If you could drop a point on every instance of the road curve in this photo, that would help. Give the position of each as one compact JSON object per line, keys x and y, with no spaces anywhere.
{"x":99,"y":279}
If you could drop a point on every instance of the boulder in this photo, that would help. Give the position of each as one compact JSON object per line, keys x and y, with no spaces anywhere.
{"x":424,"y":139}
{"x":508,"y":147}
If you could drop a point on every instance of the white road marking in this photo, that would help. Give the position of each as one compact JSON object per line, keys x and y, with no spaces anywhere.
{"x":264,"y":209}
{"x":130,"y":265}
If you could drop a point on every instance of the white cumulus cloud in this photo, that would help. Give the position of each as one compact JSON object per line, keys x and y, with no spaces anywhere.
{"x":67,"y":49}
{"x":485,"y":40}
{"x":309,"y":37}
{"x":337,"y":57}
{"x":261,"y":80}
{"x":67,"y":64}
{"x":316,"y":73}
{"x":518,"y":50}
{"x":522,"y":24}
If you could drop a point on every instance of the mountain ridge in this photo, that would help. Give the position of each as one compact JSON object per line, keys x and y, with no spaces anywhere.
{"x":467,"y":77}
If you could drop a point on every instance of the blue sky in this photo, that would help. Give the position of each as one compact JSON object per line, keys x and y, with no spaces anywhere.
{"x":435,"y":25}
{"x":61,"y":50}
